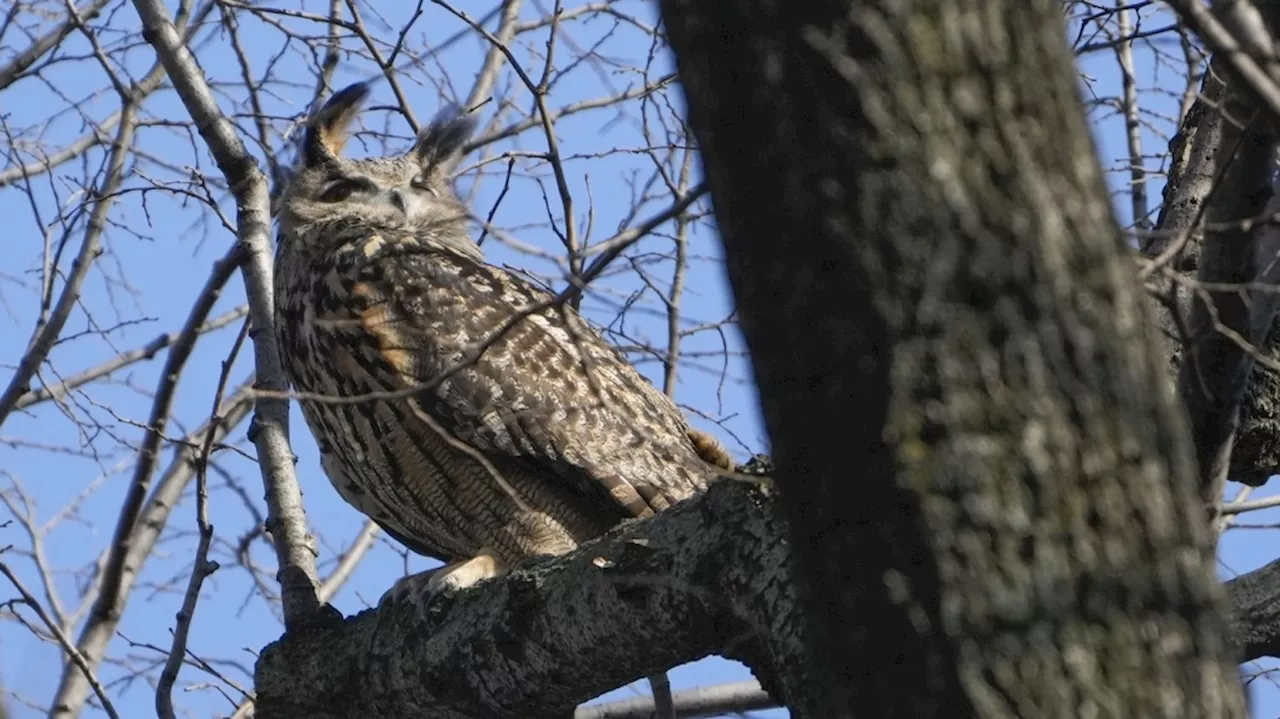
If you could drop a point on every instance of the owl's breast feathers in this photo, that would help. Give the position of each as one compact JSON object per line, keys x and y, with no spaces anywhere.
{"x":544,"y":396}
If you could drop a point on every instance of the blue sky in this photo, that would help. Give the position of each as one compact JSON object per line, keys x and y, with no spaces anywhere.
{"x":150,"y":279}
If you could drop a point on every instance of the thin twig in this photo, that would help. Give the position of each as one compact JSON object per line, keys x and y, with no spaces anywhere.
{"x":1224,"y":44}
{"x":202,"y":567}
{"x":140,"y":484}
{"x":74,"y":654}
{"x":124,"y":359}
{"x":90,"y":248}
{"x":351,"y":559}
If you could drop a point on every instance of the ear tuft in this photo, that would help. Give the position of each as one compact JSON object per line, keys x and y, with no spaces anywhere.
{"x":440,"y":145}
{"x":327,"y":129}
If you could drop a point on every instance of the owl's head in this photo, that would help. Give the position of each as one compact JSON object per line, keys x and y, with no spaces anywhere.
{"x":411,"y":192}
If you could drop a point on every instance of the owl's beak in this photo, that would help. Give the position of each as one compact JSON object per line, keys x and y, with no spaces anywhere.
{"x":398,"y":200}
{"x":406,"y":203}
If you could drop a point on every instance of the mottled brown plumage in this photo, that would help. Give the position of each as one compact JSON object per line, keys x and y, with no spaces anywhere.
{"x":545,"y":439}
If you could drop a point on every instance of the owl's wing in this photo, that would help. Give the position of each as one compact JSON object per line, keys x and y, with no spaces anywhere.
{"x":548,"y":393}
{"x":364,"y":503}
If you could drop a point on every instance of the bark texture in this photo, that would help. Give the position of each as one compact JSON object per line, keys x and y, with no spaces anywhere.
{"x":919,"y":241}
{"x":1226,"y":328}
{"x":1255,"y":603}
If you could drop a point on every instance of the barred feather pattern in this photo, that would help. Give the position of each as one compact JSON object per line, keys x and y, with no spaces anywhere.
{"x":548,"y":438}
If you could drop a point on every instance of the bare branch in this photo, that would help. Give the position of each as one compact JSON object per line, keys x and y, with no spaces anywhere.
{"x":734,"y":698}
{"x":708,"y":576}
{"x":270,"y":431}
{"x":202,"y":567}
{"x":12,"y":70}
{"x":1232,"y":50}
{"x":47,"y":330}
{"x":125,"y":558}
{"x":350,"y":560}
{"x":123,"y":360}
{"x":81,"y":664}
{"x":494,"y":58}
{"x":359,"y":548}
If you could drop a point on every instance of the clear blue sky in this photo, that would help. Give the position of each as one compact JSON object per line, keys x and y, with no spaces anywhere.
{"x":167,"y":264}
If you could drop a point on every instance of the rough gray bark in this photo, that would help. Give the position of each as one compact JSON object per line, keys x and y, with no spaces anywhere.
{"x":709,"y":576}
{"x":919,"y":241}
{"x":1215,"y":368}
{"x":1255,"y":604}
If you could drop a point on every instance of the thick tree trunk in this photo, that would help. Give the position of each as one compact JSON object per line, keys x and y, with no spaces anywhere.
{"x":920,"y":243}
{"x":1219,"y":173}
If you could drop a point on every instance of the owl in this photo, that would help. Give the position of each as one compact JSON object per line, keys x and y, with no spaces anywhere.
{"x":454,"y":403}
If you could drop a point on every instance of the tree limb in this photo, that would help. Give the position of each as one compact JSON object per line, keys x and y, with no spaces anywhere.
{"x":48,"y":329}
{"x":18,"y":64}
{"x":123,"y":360}
{"x":1255,"y":607}
{"x":1215,"y":371}
{"x":1196,"y":182}
{"x":709,"y":576}
{"x":919,"y":241}
{"x":733,"y":698}
{"x":126,"y":557}
{"x":295,"y":548}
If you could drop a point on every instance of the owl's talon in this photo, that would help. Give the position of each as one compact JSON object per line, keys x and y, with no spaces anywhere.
{"x":406,"y":589}
{"x":460,"y":575}
{"x":420,"y":589}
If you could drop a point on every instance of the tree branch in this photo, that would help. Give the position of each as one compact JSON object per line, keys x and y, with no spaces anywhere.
{"x":709,"y":576}
{"x":1197,"y":183}
{"x":78,"y":660}
{"x":126,"y":557}
{"x":1258,"y":74}
{"x":48,"y":329}
{"x":733,"y":698}
{"x":123,"y":360}
{"x":940,"y":268}
{"x":14,"y":69}
{"x":295,"y":548}
{"x":1215,"y":371}
{"x":1255,"y":608}
{"x":1221,"y":160}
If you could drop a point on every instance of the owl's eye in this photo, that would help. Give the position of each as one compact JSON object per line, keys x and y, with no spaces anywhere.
{"x":342,"y":189}
{"x":421,"y":184}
